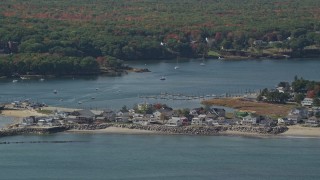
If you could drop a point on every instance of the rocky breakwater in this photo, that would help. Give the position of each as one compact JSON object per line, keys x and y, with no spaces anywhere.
{"x":190,"y":130}
{"x":259,"y":130}
{"x":30,"y":130}
{"x":87,"y":126}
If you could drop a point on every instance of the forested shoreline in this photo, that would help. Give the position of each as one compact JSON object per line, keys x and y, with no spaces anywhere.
{"x":79,"y":36}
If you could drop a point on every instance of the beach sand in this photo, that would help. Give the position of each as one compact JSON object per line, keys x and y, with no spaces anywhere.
{"x":116,"y":130}
{"x":21,"y":113}
{"x":298,"y":130}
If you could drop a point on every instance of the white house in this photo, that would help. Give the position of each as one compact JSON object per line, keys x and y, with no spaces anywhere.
{"x":249,"y":120}
{"x":294,"y":118}
{"x":313,"y":121}
{"x":174,"y":121}
{"x":200,"y":120}
{"x":307,"y":102}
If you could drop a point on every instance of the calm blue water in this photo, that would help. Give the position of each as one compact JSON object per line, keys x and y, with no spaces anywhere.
{"x":217,"y":77}
{"x":106,"y":156}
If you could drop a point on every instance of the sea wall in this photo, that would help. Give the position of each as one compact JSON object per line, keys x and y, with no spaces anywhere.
{"x":189,"y":130}
{"x":260,"y":130}
{"x":30,"y":130}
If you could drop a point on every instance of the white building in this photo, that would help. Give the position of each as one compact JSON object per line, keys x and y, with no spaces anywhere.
{"x":307,"y":102}
{"x":174,"y":121}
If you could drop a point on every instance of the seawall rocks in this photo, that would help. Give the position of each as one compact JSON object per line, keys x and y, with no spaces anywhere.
{"x":29,"y":130}
{"x":260,"y":130}
{"x":187,"y":130}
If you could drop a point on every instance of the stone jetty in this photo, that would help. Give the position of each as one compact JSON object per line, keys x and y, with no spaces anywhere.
{"x":186,"y":130}
{"x":31,"y":130}
{"x":260,"y":130}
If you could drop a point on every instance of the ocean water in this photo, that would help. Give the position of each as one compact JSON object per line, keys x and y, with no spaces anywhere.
{"x":111,"y":156}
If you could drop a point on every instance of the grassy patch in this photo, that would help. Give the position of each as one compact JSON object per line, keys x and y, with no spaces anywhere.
{"x":213,"y":53}
{"x":273,"y":110}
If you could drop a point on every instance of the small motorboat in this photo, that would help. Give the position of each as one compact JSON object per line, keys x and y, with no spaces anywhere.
{"x":163,"y":78}
{"x":14,"y":81}
{"x":24,"y":78}
{"x":55,"y":91}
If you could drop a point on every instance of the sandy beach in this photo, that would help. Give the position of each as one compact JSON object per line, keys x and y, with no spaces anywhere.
{"x":116,"y":130}
{"x":21,"y":113}
{"x":298,"y":130}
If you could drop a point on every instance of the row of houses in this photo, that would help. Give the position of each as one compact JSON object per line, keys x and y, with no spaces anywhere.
{"x":302,"y":115}
{"x":169,"y":117}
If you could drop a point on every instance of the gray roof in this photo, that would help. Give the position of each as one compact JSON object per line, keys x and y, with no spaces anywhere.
{"x":86,"y":113}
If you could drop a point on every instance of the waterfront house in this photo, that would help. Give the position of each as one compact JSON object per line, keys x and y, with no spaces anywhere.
{"x":83,"y":116}
{"x":196,"y":111}
{"x":307,"y":102}
{"x":312,"y":121}
{"x":60,"y":114}
{"x":185,"y":121}
{"x":199,"y":120}
{"x":267,"y":122}
{"x":294,"y":118}
{"x":250,"y":120}
{"x":163,"y":113}
{"x":107,"y":115}
{"x":122,"y":117}
{"x":302,"y":112}
{"x":284,"y":121}
{"x":174,"y":121}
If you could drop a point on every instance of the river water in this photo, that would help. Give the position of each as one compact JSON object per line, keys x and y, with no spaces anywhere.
{"x":216,"y":77}
{"x":109,"y":156}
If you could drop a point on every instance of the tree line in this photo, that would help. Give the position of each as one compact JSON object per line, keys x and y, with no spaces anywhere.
{"x":148,"y":30}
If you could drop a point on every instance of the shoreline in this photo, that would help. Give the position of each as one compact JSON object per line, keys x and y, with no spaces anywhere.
{"x":127,"y":131}
{"x":293,"y":131}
